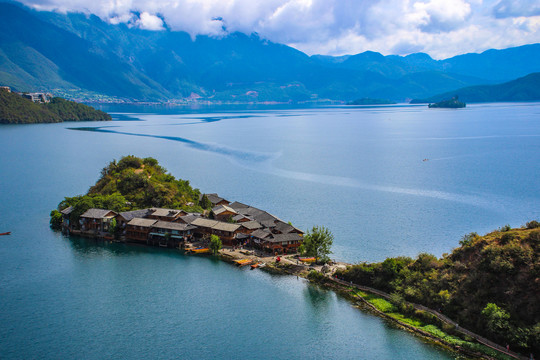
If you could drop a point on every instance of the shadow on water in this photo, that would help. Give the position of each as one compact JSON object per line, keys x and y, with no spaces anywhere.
{"x":97,"y":247}
{"x":320,"y":299}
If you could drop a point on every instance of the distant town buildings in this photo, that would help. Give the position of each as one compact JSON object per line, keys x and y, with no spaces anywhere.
{"x":37,"y":97}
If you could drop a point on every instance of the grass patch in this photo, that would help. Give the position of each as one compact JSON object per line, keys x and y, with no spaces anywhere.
{"x":389,"y":309}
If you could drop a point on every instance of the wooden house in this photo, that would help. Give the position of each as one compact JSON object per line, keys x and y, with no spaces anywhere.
{"x":226,"y":231}
{"x":170,"y":234}
{"x":96,"y":221}
{"x":282,"y":243}
{"x":165,"y":214}
{"x":125,"y":217}
{"x":223,"y":213}
{"x":66,"y":221}
{"x":215,"y":199}
{"x":138,"y":229}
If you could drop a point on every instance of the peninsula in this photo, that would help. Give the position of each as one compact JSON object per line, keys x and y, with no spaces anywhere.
{"x":28,"y":108}
{"x":480,"y":296}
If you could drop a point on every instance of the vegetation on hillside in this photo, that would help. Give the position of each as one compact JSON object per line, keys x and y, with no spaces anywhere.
{"x":14,"y":109}
{"x":135,"y":183}
{"x":489,"y":284}
{"x":526,"y":88}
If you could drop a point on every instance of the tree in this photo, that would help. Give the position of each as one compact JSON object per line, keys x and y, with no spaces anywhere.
{"x":317,"y":243}
{"x":56,"y":220}
{"x":215,"y":244}
{"x":205,"y":202}
{"x":497,"y":319}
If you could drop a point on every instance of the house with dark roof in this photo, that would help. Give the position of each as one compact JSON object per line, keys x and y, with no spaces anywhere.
{"x":249,"y":226}
{"x":282,"y":243}
{"x":284,"y":228}
{"x":226,"y":231}
{"x":241,"y":218}
{"x":223,"y":212}
{"x":215,"y":199}
{"x":125,"y":217}
{"x":96,"y":221}
{"x":165,"y":214}
{"x":66,"y":223}
{"x":138,"y":229}
{"x":170,"y":234}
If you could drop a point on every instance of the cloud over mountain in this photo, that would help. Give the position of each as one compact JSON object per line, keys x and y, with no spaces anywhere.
{"x":439,"y":27}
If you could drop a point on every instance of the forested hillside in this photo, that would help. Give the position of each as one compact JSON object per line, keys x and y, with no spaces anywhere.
{"x":489,"y":284}
{"x":14,"y":109}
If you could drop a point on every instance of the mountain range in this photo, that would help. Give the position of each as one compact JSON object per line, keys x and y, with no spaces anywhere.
{"x":80,"y":56}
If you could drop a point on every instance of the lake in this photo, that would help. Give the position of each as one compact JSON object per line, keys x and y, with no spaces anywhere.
{"x":387,"y":181}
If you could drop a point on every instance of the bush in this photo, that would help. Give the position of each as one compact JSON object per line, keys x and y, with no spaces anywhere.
{"x":505,"y":228}
{"x":533,"y":224}
{"x":56,"y":220}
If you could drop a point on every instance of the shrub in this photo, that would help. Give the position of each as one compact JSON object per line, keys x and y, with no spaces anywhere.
{"x":56,"y":220}
{"x":533,"y":224}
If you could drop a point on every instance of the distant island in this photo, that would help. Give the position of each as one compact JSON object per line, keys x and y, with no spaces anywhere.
{"x":369,"y":101}
{"x":453,"y":103}
{"x":29,"y":108}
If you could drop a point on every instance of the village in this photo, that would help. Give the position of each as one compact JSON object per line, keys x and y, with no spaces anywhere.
{"x":239,"y":227}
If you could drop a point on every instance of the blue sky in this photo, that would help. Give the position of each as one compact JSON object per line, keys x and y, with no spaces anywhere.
{"x":442,"y":28}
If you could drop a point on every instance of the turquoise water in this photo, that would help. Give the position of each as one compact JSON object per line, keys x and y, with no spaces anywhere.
{"x":358,"y":171}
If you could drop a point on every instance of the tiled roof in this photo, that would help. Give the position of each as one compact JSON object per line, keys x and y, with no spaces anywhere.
{"x":216,"y":225}
{"x":165,"y":212}
{"x":188,"y":219}
{"x":97,"y":213}
{"x":223,"y":208}
{"x":67,"y":210}
{"x":142,"y":222}
{"x":285,"y":237}
{"x":128,"y":215}
{"x":261,"y":233}
{"x":251,"y":225}
{"x":284,"y":228}
{"x":172,"y":226}
{"x":238,"y":205}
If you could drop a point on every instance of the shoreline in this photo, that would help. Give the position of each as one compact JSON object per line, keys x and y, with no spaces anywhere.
{"x":286,"y":266}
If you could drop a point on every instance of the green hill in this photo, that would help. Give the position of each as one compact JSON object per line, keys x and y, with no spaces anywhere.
{"x":526,"y":88}
{"x":489,"y":284}
{"x":134,"y":183}
{"x":14,"y":109}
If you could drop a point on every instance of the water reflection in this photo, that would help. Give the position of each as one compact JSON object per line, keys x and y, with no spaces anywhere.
{"x":319,"y":298}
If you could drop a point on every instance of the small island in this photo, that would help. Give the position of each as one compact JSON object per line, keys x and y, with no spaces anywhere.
{"x":369,"y":101}
{"x":32,"y":108}
{"x":453,"y":103}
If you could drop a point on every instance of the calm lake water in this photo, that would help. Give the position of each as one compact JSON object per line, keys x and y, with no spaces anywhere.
{"x":359,"y":171}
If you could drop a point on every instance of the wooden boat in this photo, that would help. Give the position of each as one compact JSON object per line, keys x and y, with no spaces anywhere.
{"x":5,"y":233}
{"x":254,"y":266}
{"x":200,"y":250}
{"x":243,"y":262}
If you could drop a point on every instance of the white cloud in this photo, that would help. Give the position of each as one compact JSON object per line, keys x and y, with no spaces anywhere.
{"x":439,"y":27}
{"x":149,"y":22}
